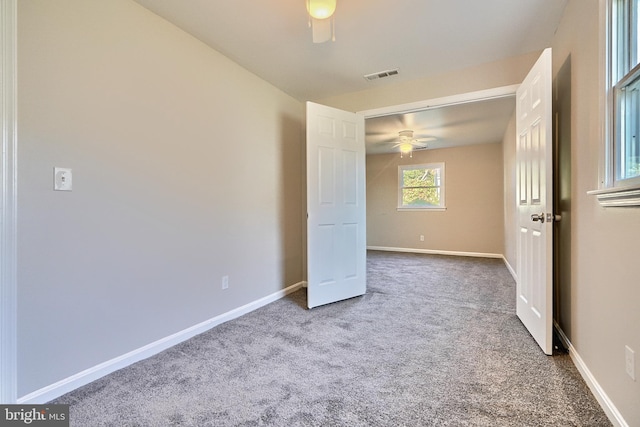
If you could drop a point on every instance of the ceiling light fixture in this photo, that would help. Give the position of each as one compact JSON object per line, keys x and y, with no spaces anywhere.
{"x":321,"y":20}
{"x":321,"y":9}
{"x":406,"y":148}
{"x":406,"y":142}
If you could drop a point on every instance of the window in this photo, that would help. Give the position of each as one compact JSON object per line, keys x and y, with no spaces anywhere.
{"x":620,"y":183}
{"x":625,"y":88}
{"x":421,"y":186}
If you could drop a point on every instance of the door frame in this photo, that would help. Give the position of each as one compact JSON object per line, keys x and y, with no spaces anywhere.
{"x":428,"y":104}
{"x":499,"y":92}
{"x":8,"y":216}
{"x":463,"y":98}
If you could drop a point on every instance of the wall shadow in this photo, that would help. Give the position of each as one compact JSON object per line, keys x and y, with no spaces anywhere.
{"x":291,"y":209}
{"x":562,"y":197}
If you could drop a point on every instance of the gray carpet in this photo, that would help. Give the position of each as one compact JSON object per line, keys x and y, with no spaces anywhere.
{"x":434,"y":342}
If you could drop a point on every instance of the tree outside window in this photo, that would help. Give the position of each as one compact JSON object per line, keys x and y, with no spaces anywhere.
{"x":421,"y":186}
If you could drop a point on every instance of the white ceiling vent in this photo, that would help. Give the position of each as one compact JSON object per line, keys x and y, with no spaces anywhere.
{"x":381,"y":74}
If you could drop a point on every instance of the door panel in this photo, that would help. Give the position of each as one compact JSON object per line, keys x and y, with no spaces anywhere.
{"x":336,"y":210}
{"x":326,"y":176}
{"x":535,"y":203}
{"x":325,"y":250}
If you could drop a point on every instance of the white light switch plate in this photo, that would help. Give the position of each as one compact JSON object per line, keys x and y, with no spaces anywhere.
{"x":630,"y":362}
{"x":62,"y":179}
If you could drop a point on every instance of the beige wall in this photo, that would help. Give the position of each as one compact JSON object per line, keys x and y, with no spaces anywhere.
{"x":600,"y":305}
{"x":473,"y":220}
{"x":186,"y":167}
{"x":510,"y":220}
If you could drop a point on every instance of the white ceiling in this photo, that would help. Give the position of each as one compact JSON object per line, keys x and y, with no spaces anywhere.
{"x":271,"y":38}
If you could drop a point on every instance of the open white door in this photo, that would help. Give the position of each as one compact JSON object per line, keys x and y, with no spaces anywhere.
{"x":535,"y":203}
{"x":336,"y":210}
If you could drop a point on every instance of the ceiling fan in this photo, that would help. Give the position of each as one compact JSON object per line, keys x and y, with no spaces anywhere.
{"x":407,"y":143}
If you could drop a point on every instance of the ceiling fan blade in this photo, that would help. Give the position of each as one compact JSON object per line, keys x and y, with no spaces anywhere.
{"x":380,"y":138}
{"x":415,"y":142}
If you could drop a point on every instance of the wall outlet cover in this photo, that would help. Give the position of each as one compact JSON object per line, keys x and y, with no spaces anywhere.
{"x":62,"y":179}
{"x":630,"y":362}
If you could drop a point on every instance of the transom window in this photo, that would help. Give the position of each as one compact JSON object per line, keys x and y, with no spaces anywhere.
{"x":421,"y":186}
{"x":625,"y":88}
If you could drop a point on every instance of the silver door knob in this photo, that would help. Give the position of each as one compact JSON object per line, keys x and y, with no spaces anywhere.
{"x":553,"y":218}
{"x":538,"y":217}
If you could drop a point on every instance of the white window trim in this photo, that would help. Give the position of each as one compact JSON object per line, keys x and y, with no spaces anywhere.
{"x":610,"y":193}
{"x":441,"y":208}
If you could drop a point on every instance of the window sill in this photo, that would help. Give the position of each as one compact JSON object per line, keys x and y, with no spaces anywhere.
{"x":618,"y":196}
{"x":421,"y":209}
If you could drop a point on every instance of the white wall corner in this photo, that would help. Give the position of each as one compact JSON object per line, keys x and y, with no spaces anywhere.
{"x":8,"y":183}
{"x":603,"y":399}
{"x":511,"y":270}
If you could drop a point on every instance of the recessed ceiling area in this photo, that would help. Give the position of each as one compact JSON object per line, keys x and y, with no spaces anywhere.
{"x":477,"y":122}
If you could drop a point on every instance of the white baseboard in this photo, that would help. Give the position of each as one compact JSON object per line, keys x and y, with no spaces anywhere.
{"x":607,"y":405}
{"x":453,"y":253}
{"x":434,"y":252}
{"x":511,"y":270}
{"x":80,"y":379}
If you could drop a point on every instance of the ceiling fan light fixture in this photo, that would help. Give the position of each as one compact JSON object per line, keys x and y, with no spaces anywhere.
{"x":321,"y":20}
{"x":406,"y":147}
{"x":405,"y":135}
{"x":321,"y":9}
{"x":406,"y":143}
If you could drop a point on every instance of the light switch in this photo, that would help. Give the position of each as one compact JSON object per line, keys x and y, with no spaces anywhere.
{"x":62,"y":179}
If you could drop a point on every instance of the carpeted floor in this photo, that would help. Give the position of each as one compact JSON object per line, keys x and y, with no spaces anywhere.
{"x":434,"y":342}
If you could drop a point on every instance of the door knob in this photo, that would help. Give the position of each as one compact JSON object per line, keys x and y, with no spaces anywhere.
{"x":553,"y":218}
{"x":538,"y":217}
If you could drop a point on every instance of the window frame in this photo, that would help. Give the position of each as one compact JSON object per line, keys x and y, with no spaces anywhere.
{"x":625,"y":73}
{"x":614,"y":191}
{"x":441,"y":187}
{"x":629,"y":79}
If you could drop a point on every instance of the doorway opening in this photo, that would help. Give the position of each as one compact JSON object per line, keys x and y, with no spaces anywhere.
{"x":472,"y":128}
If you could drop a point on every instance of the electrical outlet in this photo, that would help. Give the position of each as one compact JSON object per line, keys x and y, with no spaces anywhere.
{"x":422,"y":237}
{"x":630,"y":362}
{"x":225,"y":282}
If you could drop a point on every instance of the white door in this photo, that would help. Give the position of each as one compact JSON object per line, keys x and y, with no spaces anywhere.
{"x":535,"y":203}
{"x":336,"y":210}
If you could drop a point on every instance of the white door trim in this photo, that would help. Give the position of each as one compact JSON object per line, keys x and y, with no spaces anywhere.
{"x":463,"y":98}
{"x":8,"y":223}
